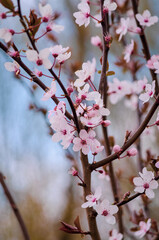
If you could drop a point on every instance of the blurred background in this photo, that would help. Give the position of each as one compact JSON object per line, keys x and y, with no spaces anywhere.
{"x":36,"y":168}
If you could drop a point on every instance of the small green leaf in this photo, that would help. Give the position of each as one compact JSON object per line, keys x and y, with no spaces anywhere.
{"x":110,"y":73}
{"x":107,"y":66}
{"x":7,"y":4}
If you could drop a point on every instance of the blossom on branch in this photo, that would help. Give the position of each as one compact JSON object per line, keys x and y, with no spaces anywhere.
{"x":45,"y":11}
{"x":92,"y":199}
{"x":115,"y":235}
{"x":123,"y":27}
{"x":12,"y":67}
{"x":83,"y":16}
{"x":146,"y":19}
{"x":6,"y":34}
{"x":40,"y":58}
{"x":109,"y":6}
{"x":149,"y":92}
{"x":145,"y":183}
{"x":51,"y":92}
{"x":107,"y":210}
{"x":144,"y":228}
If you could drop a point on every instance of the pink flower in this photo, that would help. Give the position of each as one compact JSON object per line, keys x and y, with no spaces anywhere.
{"x":12,"y":67}
{"x":40,"y":58}
{"x":144,"y":228}
{"x":92,"y":198}
{"x":86,"y":74}
{"x":6,"y":34}
{"x":83,"y":16}
{"x":51,"y":92}
{"x":128,"y":51}
{"x":107,"y":210}
{"x":82,"y":142}
{"x":149,"y":92}
{"x":115,"y":235}
{"x":96,"y":41}
{"x":145,"y":19}
{"x":123,"y":28}
{"x":73,"y":172}
{"x":54,"y":27}
{"x":45,"y":11}
{"x":132,"y":152}
{"x":145,"y":183}
{"x":156,"y":66}
{"x":109,"y":6}
{"x":157,"y":164}
{"x":151,"y":61}
{"x":57,"y":49}
{"x":62,"y":57}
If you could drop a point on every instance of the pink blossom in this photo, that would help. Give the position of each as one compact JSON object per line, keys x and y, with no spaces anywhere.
{"x":45,"y":11}
{"x":151,"y":61}
{"x":51,"y":92}
{"x":82,"y":142}
{"x":144,"y":228}
{"x":54,"y":27}
{"x":107,"y":210}
{"x":149,"y":92}
{"x":132,"y":152}
{"x":106,"y":123}
{"x":109,"y":6}
{"x":86,"y":74}
{"x":145,"y":183}
{"x":146,"y":19}
{"x":6,"y":34}
{"x":96,"y":41}
{"x":73,"y":172}
{"x":157,"y":164}
{"x":156,"y":66}
{"x":115,"y":235}
{"x":12,"y":67}
{"x":92,"y":198}
{"x":83,"y":16}
{"x":128,"y":51}
{"x":123,"y":27}
{"x":57,"y":49}
{"x":40,"y":58}
{"x":62,"y":57}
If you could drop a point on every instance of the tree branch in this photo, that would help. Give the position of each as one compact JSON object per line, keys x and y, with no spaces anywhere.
{"x":144,"y":44}
{"x":14,"y":208}
{"x":135,"y":136}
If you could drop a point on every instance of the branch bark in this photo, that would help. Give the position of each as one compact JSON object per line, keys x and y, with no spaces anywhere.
{"x":14,"y":208}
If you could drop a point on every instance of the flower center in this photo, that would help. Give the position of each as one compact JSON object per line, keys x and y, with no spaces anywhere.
{"x":146,"y":20}
{"x":146,"y":185}
{"x":94,"y":200}
{"x":64,"y":132}
{"x":105,"y":213}
{"x":45,"y":19}
{"x":83,"y":142}
{"x":39,"y":62}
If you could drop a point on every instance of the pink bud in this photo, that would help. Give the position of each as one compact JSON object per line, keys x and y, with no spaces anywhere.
{"x":106,"y":123}
{"x":3,"y":15}
{"x":12,"y":31}
{"x":48,"y":29}
{"x":70,"y":90}
{"x":45,"y":19}
{"x":132,"y":152}
{"x":78,"y":100}
{"x":14,"y":54}
{"x":117,"y":148}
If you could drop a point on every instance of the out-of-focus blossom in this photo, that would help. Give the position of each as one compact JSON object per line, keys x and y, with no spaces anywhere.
{"x":6,"y":34}
{"x":144,"y":228}
{"x":45,"y":11}
{"x":12,"y":67}
{"x":115,"y":235}
{"x":146,"y":19}
{"x":149,"y":92}
{"x":51,"y":92}
{"x":145,"y":183}
{"x":123,"y":27}
{"x":128,"y":51}
{"x":109,"y":6}
{"x":151,"y":61}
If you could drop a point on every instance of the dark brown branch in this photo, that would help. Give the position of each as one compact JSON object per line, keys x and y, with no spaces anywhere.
{"x":131,"y":140}
{"x":34,"y":78}
{"x":25,"y":27}
{"x":103,"y":87}
{"x":146,"y":50}
{"x":91,"y":213}
{"x":14,"y":208}
{"x":50,"y":70}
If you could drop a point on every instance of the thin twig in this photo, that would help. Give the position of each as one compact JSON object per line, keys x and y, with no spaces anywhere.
{"x":14,"y":208}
